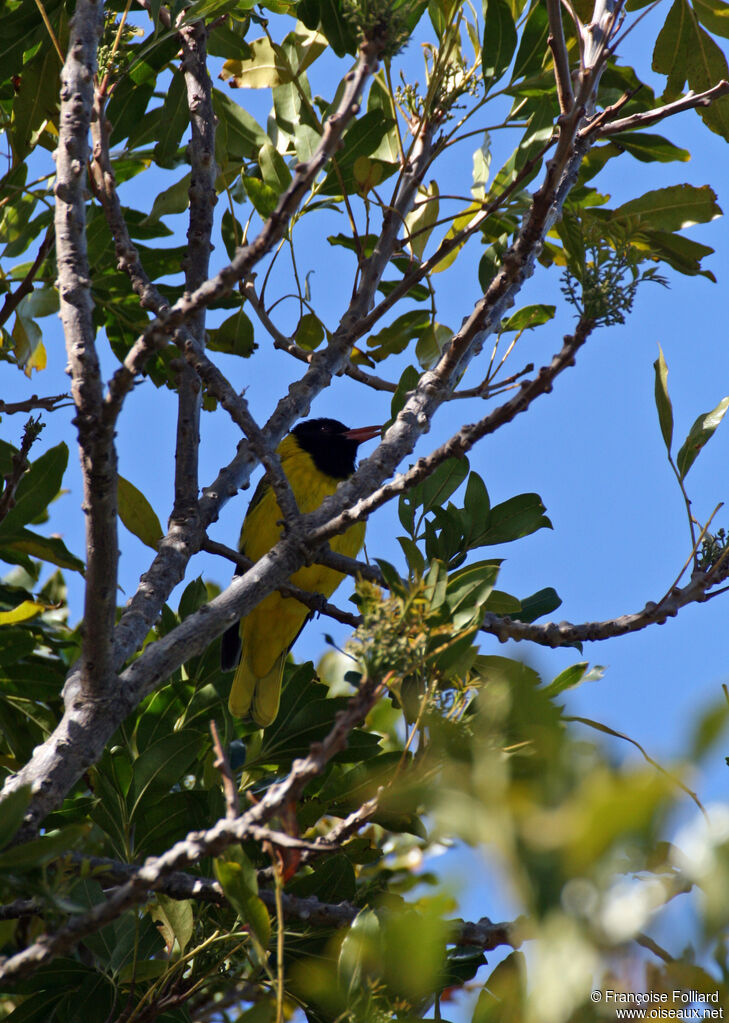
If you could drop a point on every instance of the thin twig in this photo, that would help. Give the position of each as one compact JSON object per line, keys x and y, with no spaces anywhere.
{"x":221,"y":764}
{"x":648,"y":117}
{"x":14,"y":298}
{"x":49,"y":404}
{"x":19,"y":464}
{"x":557,"y":45}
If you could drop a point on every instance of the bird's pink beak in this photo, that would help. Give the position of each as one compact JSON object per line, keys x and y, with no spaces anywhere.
{"x":363,"y":433}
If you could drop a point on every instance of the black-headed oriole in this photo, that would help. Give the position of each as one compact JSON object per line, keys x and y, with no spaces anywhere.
{"x":316,"y":456}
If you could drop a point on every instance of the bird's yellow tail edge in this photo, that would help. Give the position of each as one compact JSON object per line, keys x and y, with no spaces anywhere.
{"x":256,"y":695}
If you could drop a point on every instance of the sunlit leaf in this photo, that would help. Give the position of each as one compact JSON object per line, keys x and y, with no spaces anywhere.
{"x":137,"y":514}
{"x":699,"y":434}
{"x":663,"y":402}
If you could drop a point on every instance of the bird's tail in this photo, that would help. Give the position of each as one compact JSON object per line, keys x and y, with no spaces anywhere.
{"x":256,"y":695}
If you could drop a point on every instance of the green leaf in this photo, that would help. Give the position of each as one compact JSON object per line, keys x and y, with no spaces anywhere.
{"x":265,"y":68}
{"x":460,"y":223}
{"x":573,"y":676}
{"x":431,"y":342}
{"x":663,"y":402}
{"x":36,"y":100}
{"x":276,"y":173}
{"x":500,"y":603}
{"x":331,"y":18}
{"x":699,"y":434}
{"x":137,"y":514}
{"x":245,"y":135}
{"x":468,"y":589}
{"x":670,"y":53}
{"x":513,"y":519}
{"x":394,"y":338}
{"x":263,"y":198}
{"x":420,"y":221}
{"x":162,"y":765}
{"x":434,"y":491}
{"x":684,"y":51}
{"x":714,"y":15}
{"x":12,"y":811}
{"x":127,"y":107}
{"x":543,"y":602}
{"x":36,"y":489}
{"x":533,"y":47}
{"x":528,"y":317}
{"x":538,"y":132}
{"x":332,"y":880}
{"x":673,"y":208}
{"x":42,"y":850}
{"x":310,"y":332}
{"x":503,"y":997}
{"x":237,"y":877}
{"x":362,"y":139}
{"x":174,"y":199}
{"x":173,"y":121}
{"x":408,"y":382}
{"x":177,"y":920}
{"x":499,"y":40}
{"x":47,"y":548}
{"x":234,"y":336}
{"x":649,"y":148}
{"x":683,"y":254}
{"x":413,"y":555}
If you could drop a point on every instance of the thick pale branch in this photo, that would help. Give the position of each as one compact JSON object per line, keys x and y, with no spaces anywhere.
{"x":316,"y":602}
{"x":95,"y":434}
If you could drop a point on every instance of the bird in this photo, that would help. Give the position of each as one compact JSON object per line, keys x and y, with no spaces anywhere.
{"x":316,"y":456}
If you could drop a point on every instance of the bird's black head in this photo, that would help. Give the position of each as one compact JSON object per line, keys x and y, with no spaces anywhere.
{"x":332,"y":445}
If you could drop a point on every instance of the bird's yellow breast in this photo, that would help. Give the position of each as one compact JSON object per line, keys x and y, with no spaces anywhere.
{"x":261,"y":528}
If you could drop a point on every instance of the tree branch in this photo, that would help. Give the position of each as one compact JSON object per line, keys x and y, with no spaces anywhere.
{"x":49,"y":404}
{"x":555,"y":634}
{"x":196,"y":264}
{"x":648,"y":117}
{"x":557,"y":45}
{"x":316,"y":602}
{"x":95,"y":433}
{"x":309,"y":910}
{"x":14,"y":298}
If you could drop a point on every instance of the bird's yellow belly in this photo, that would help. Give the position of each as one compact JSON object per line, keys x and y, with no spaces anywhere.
{"x":275,"y":623}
